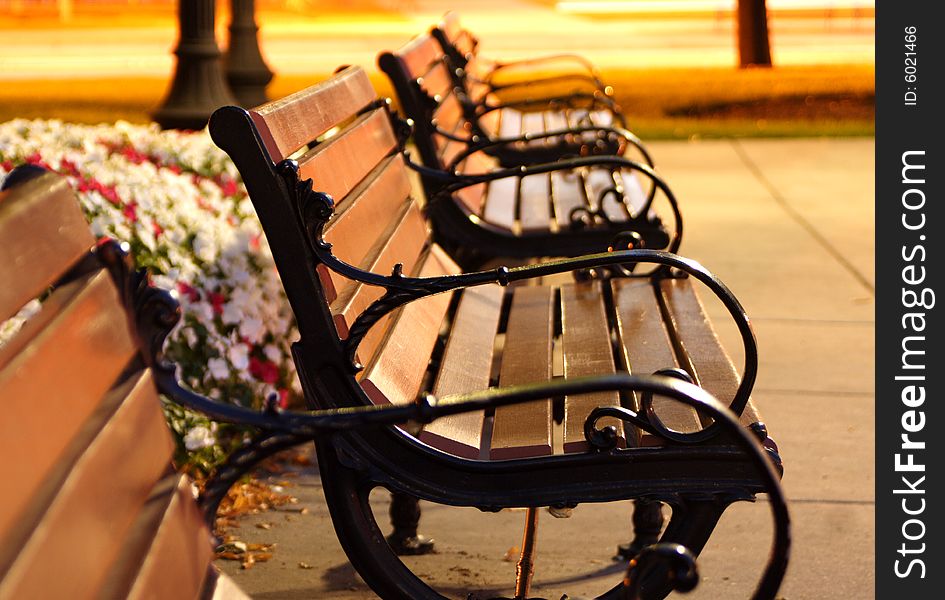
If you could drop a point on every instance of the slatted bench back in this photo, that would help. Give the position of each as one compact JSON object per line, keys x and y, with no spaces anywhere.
{"x":466,"y":46}
{"x":377,"y":222}
{"x":93,"y":508}
{"x":421,"y":76}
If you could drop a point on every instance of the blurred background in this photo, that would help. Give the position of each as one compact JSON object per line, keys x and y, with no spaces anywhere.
{"x":673,"y":63}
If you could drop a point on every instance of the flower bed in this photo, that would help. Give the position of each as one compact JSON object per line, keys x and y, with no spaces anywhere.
{"x":178,"y":201}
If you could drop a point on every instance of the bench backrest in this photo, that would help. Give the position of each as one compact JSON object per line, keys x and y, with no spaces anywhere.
{"x":92,"y":507}
{"x":342,"y":138}
{"x":461,"y":48}
{"x":420,"y":74}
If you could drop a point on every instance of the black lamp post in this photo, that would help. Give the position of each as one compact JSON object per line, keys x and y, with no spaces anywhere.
{"x":246,"y":71}
{"x":198,"y":87}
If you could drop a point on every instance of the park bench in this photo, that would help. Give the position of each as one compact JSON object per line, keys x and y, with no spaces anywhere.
{"x":567,"y":206}
{"x":386,"y":317}
{"x":523,"y":121}
{"x":531,"y":85}
{"x":91,"y":506}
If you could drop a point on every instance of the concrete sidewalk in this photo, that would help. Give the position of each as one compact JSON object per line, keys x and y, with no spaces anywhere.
{"x":788,"y":225}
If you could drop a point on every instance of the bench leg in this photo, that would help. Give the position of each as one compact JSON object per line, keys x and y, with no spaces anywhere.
{"x":347,"y":496}
{"x":647,"y":525}
{"x":405,"y":517}
{"x":691,"y":524}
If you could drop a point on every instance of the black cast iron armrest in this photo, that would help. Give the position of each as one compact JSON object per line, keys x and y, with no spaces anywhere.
{"x":463,"y":180}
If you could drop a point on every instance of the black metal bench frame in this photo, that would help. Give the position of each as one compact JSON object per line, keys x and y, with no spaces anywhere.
{"x":698,"y":474}
{"x":589,"y":230}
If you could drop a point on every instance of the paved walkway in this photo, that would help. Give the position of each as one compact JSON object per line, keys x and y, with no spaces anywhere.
{"x":788,"y":225}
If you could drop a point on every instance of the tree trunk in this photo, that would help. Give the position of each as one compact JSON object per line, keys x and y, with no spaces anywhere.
{"x":754,"y":50}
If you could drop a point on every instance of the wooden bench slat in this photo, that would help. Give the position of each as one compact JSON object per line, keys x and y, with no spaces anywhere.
{"x":585,"y":339}
{"x":597,"y":181}
{"x":633,"y":192}
{"x":437,"y":81}
{"x":533,"y":123}
{"x":418,"y":54}
{"x":567,"y":191}
{"x":339,"y":164}
{"x":93,"y":497}
{"x":646,"y":348}
{"x":473,"y":197}
{"x":403,"y":245}
{"x":53,"y":375}
{"x":510,"y":125}
{"x":581,"y":117}
{"x":535,"y":203}
{"x":368,"y":212}
{"x":398,"y":368}
{"x":172,"y":539}
{"x":698,"y":347}
{"x":524,"y":430}
{"x":449,"y":115}
{"x":288,"y":124}
{"x":501,"y":196}
{"x":465,"y":367}
{"x":555,"y":120}
{"x":42,"y":209}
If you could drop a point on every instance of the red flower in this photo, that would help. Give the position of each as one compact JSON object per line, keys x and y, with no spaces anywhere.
{"x":217,"y":300}
{"x":228,"y":187}
{"x":68,"y":167}
{"x":264,"y":371}
{"x":157,"y":229}
{"x":130,"y":211}
{"x":187,"y":290}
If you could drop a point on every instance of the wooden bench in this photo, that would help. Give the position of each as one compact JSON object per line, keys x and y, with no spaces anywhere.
{"x":562,"y":204}
{"x":386,"y":316}
{"x":534,"y":85}
{"x":92,"y":506}
{"x":462,"y":48}
{"x":588,"y":102}
{"x":519,"y":119}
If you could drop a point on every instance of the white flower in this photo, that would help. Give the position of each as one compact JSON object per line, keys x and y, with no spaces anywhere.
{"x":218,"y":368}
{"x":199,"y":437}
{"x":231,"y":313}
{"x":239,"y":356}
{"x":252,"y":329}
{"x":272,"y":353}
